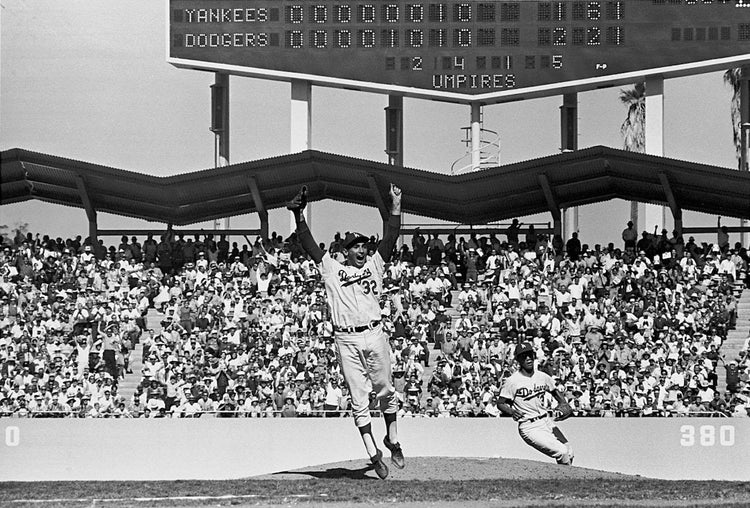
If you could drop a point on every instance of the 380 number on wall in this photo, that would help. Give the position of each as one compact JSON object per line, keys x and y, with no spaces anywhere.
{"x":707,"y":435}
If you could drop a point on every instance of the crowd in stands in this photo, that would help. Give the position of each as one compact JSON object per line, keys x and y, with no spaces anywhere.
{"x":631,"y":330}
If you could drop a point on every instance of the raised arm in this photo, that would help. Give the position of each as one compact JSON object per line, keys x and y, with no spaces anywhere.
{"x":296,"y":205}
{"x":393,"y":226}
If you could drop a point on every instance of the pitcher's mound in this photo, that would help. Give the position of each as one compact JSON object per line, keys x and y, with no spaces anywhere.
{"x":450,"y":468}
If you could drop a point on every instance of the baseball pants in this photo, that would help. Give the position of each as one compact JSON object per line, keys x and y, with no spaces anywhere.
{"x":546,"y":437}
{"x":365,"y":360}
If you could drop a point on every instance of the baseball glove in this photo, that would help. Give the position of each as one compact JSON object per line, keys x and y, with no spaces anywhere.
{"x":299,"y":201}
{"x":563,"y":412}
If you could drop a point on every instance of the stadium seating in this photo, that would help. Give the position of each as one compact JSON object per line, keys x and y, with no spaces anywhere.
{"x":194,"y":327}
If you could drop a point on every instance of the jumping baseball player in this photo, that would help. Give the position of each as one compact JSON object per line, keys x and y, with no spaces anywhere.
{"x":522,"y":397}
{"x":353,"y":290}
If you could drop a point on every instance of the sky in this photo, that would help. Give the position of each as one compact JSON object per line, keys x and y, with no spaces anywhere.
{"x":89,"y":80}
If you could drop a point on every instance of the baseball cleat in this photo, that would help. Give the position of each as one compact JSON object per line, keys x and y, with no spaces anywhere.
{"x":397,"y":456}
{"x":565,"y":460}
{"x":380,"y":468}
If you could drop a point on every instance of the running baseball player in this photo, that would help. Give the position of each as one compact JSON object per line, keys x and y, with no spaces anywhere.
{"x":353,"y":290}
{"x":522,"y":397}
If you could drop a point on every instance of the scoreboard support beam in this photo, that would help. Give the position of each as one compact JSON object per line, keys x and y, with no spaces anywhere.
{"x":569,"y":122}
{"x":394,"y":130}
{"x":220,"y":122}
{"x":653,"y":215}
{"x":301,"y":111}
{"x":394,"y":147}
{"x":300,"y":138}
{"x":476,"y":136}
{"x":654,"y":128}
{"x":220,"y":118}
{"x":569,"y":143}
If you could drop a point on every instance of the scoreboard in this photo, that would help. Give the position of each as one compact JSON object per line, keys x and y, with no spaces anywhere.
{"x":460,"y":50}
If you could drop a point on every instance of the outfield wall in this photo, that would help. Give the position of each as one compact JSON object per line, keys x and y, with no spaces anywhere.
{"x":210,"y":448}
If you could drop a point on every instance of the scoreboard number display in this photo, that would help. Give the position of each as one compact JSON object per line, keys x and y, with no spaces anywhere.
{"x":460,"y":50}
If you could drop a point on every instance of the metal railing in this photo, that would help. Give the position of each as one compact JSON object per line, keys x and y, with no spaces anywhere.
{"x":409,"y":229}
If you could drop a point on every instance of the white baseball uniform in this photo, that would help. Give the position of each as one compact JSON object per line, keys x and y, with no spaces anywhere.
{"x":361,"y":344}
{"x":535,"y":426}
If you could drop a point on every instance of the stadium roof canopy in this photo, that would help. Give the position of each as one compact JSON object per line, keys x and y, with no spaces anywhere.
{"x":535,"y":186}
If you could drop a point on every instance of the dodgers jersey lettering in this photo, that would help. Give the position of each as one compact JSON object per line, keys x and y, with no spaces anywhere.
{"x":527,"y":393}
{"x":353,"y":293}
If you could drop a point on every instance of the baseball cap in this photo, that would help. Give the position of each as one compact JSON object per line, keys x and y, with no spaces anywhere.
{"x":523,"y":348}
{"x":354,"y":238}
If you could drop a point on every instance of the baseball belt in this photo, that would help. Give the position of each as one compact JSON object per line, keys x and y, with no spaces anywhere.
{"x":357,"y":329}
{"x":535,"y":419}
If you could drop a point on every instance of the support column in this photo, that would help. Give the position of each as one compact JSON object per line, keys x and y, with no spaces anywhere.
{"x":476,"y":136}
{"x":301,"y":111}
{"x":220,"y":122}
{"x":378,"y":197}
{"x":90,"y":213}
{"x":569,"y":143}
{"x":552,"y":205}
{"x":673,"y":205}
{"x":394,"y":147}
{"x":301,"y":129}
{"x":380,"y":201}
{"x":569,"y":123}
{"x":394,"y":130}
{"x":653,"y":215}
{"x":259,"y":206}
{"x":744,"y":133}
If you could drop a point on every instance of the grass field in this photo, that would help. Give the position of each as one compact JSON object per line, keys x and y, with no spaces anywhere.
{"x":499,"y":482}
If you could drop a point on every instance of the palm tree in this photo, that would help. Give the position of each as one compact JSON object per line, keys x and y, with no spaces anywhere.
{"x":633,"y":129}
{"x":634,"y":126}
{"x":732,"y":78}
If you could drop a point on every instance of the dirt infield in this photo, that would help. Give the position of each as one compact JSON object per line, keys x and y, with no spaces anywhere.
{"x":426,"y":482}
{"x":451,"y":469}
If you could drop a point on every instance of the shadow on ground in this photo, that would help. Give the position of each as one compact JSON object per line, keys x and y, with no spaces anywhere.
{"x":333,"y":473}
